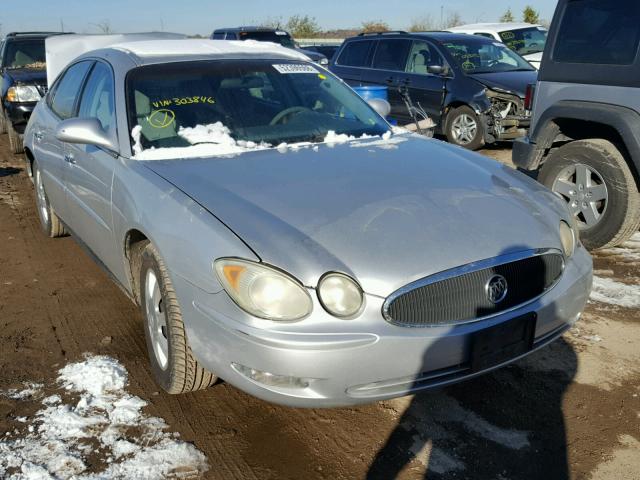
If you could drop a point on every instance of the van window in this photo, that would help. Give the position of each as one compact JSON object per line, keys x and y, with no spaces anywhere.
{"x":423,"y":56}
{"x":355,"y":54}
{"x":391,"y":54}
{"x":597,"y":32}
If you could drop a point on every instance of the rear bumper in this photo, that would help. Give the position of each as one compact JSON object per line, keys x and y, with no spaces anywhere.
{"x":362,"y":360}
{"x":524,"y":154}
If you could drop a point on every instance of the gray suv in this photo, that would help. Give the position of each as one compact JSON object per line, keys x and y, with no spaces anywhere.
{"x":584,"y":141}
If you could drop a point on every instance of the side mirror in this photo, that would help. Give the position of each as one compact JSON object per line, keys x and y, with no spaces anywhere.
{"x":381,"y":106}
{"x":437,"y":70}
{"x":87,"y":131}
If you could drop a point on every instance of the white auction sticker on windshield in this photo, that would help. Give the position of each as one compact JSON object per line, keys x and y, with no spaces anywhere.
{"x":295,"y":68}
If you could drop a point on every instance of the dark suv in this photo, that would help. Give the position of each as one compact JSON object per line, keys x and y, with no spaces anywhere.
{"x":584,"y":141}
{"x":472,"y":87}
{"x":23,"y":81}
{"x":265,"y":34}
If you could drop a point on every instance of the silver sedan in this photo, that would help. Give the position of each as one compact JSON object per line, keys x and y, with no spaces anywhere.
{"x":277,"y":233}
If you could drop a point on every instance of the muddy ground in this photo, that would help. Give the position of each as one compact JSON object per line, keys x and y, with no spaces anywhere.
{"x":571,"y":410}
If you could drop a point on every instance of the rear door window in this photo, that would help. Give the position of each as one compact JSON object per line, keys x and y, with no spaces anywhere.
{"x":392,"y":54}
{"x":68,"y":89}
{"x":355,"y":54}
{"x":597,"y":32}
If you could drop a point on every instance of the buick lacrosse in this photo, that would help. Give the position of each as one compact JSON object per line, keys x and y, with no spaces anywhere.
{"x":277,"y":233}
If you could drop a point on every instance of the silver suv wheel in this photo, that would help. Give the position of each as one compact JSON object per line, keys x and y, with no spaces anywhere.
{"x":585,"y":191}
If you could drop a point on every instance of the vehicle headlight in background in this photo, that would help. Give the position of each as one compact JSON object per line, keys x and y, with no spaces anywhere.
{"x":23,"y":93}
{"x":263,"y":291}
{"x":340,"y":295}
{"x":569,"y":239}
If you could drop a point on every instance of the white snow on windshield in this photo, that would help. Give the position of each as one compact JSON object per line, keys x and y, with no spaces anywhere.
{"x":215,"y":140}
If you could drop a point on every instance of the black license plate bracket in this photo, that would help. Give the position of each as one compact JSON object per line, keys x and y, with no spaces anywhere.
{"x":502,"y":342}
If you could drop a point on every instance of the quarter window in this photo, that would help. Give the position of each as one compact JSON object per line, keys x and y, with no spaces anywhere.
{"x":355,"y":54}
{"x":391,"y":54}
{"x":97,"y":99}
{"x":597,"y":32}
{"x":68,"y":89}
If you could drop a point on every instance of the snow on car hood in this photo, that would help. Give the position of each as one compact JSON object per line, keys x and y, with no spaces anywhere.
{"x":388,"y":212}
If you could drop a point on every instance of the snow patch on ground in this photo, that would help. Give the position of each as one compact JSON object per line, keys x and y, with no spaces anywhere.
{"x":105,"y":421}
{"x":606,"y":290}
{"x":31,"y":390}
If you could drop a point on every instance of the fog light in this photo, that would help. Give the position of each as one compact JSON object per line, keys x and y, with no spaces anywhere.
{"x":271,"y":379}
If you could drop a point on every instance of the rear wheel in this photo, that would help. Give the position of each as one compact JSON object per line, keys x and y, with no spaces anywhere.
{"x":15,"y":139}
{"x":464,"y":128}
{"x":594,"y":179}
{"x":172,"y":362}
{"x":49,"y":221}
{"x":3,"y":123}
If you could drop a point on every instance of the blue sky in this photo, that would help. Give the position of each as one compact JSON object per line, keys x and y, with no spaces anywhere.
{"x":202,"y":16}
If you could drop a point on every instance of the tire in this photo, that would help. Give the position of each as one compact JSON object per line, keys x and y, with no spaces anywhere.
{"x":597,"y":184}
{"x":172,"y":362}
{"x":49,"y":221}
{"x":15,"y":139}
{"x":464,"y":128}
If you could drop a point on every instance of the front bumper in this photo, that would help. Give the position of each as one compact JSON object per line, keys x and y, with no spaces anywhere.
{"x":363,"y":360}
{"x":19,"y":113}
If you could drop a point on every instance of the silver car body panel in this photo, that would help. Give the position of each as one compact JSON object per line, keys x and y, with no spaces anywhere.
{"x":387,"y":214}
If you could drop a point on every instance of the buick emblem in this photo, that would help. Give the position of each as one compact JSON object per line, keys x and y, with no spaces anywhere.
{"x":496,"y":289}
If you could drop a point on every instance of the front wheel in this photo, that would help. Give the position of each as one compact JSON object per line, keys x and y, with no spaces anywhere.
{"x":464,"y":128}
{"x":594,"y":179}
{"x":173,"y":364}
{"x":15,"y":139}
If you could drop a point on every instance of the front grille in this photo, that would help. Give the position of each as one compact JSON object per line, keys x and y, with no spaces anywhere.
{"x":453,"y":297}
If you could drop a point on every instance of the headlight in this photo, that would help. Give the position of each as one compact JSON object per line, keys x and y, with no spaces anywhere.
{"x":263,"y":291}
{"x":340,"y":295}
{"x":23,"y":93}
{"x":569,"y":239}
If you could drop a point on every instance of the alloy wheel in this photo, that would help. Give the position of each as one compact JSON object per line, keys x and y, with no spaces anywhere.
{"x":464,"y":129}
{"x":156,"y":319}
{"x":585,"y":192}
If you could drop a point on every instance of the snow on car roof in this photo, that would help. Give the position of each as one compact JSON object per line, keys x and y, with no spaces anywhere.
{"x":201,"y":47}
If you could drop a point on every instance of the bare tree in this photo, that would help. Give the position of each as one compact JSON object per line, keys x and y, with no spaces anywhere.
{"x":453,"y":20}
{"x":103,"y":27}
{"x":507,"y":17}
{"x":422,"y":24}
{"x":375,"y":26}
{"x":273,"y":22}
{"x":300,"y":26}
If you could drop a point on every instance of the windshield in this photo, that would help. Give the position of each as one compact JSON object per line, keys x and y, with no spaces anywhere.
{"x":242,"y":102}
{"x":489,"y":57}
{"x":525,"y":40}
{"x":280,"y":37}
{"x":25,"y":54}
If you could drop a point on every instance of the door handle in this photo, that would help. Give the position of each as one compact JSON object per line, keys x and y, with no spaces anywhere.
{"x":38,"y":135}
{"x":406,"y":81}
{"x":69,"y":158}
{"x":389,"y":80}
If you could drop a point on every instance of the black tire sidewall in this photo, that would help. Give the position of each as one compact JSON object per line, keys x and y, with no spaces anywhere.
{"x":581,"y":152}
{"x":478,"y":141}
{"x":163,"y":376}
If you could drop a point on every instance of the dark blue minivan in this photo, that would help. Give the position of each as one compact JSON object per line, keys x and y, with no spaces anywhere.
{"x":474,"y":88}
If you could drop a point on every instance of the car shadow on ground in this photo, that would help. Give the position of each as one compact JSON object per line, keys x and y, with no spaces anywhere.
{"x":7,"y":171}
{"x":507,"y":424}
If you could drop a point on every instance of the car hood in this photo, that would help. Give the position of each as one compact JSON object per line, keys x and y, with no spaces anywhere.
{"x":315,"y":56}
{"x":385,"y":212}
{"x":28,"y":76}
{"x":513,"y":82}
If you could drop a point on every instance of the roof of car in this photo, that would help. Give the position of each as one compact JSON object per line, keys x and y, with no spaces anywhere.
{"x":496,"y":27}
{"x":435,"y":36}
{"x":153,"y":49}
{"x":248,"y":29}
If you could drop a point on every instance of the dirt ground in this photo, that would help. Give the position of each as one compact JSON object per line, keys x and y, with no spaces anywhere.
{"x":571,"y":410}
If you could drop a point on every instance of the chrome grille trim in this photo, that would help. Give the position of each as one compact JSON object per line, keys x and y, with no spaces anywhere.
{"x":467,"y":269}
